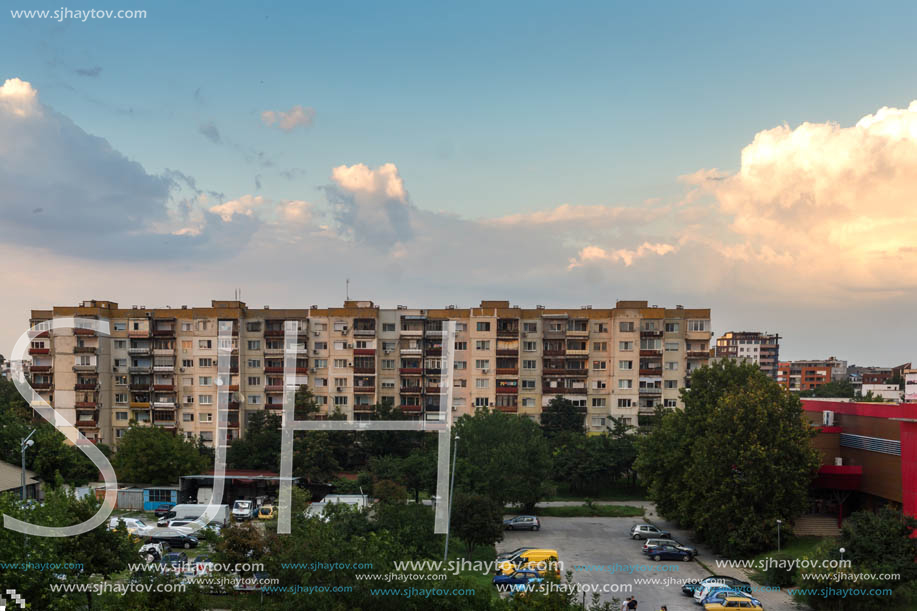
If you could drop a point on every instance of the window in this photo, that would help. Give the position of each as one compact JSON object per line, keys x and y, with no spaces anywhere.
{"x":205,"y":344}
{"x":459,"y":383}
{"x":187,"y":417}
{"x":186,"y":345}
{"x":697,"y":325}
{"x":254,"y":399}
{"x":254,"y":363}
{"x":625,"y":346}
{"x":339,"y":401}
{"x":671,"y":346}
{"x":340,"y":363}
{"x":202,"y":325}
{"x":460,"y":365}
{"x":624,"y":402}
{"x":186,"y":326}
{"x":599,"y":327}
{"x":529,"y":346}
{"x":599,"y":384}
{"x":254,"y":380}
{"x":626,"y":327}
{"x":483,"y":326}
{"x":187,"y":380}
{"x":121,"y":380}
{"x":253,"y":326}
{"x":207,"y":436}
{"x":204,"y":381}
{"x":120,"y":326}
{"x":671,"y":365}
{"x":119,"y":362}
{"x":670,"y":403}
{"x":671,"y":384}
{"x":189,"y":399}
{"x":599,"y":346}
{"x":205,"y":362}
{"x":388,"y":383}
{"x":480,"y":401}
{"x":319,"y":326}
{"x":482,"y":345}
{"x":320,"y":363}
{"x":481,"y":383}
{"x":528,"y":402}
{"x":598,"y":421}
{"x":205,"y":417}
{"x":205,"y":399}
{"x":320,"y":345}
{"x":625,"y":383}
{"x":340,"y":382}
{"x":530,"y":327}
{"x":388,"y":327}
{"x":625,"y":365}
{"x":598,"y":402}
{"x":340,"y":345}
{"x":650,"y":344}
{"x":461,"y":326}
{"x":671,"y":327}
{"x":388,"y":363}
{"x":482,"y":364}
{"x":528,"y":384}
{"x":321,"y":382}
{"x":578,"y":402}
{"x":120,"y":344}
{"x":121,"y":397}
{"x":529,"y":364}
{"x":254,"y":344}
{"x":121,"y":416}
{"x":461,"y":345}
{"x":187,"y":362}
{"x":339,"y":326}
{"x":362,"y":344}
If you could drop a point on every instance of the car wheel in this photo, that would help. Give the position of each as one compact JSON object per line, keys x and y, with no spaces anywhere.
{"x":635,"y":537}
{"x":536,"y":528}
{"x":187,"y":545}
{"x":150,"y":557}
{"x":687,"y":558}
{"x":657,"y":557}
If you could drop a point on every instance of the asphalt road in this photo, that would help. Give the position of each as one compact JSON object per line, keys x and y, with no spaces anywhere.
{"x":601,"y":542}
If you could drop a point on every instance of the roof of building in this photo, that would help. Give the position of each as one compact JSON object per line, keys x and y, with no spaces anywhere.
{"x":11,"y":477}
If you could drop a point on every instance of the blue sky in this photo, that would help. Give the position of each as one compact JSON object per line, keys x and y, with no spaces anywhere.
{"x":487,"y":110}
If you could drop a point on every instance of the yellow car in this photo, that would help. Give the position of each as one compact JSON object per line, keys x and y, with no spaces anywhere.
{"x":267,"y":512}
{"x":541,"y":560}
{"x":733,"y":602}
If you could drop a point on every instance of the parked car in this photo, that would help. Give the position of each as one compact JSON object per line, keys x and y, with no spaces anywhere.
{"x":670,"y":552}
{"x":717,"y":595}
{"x":648,"y":531}
{"x":267,"y":512}
{"x":736,"y":584}
{"x":506,"y":583}
{"x":249,"y":584}
{"x":522,"y":523}
{"x":132,"y":525}
{"x":732,"y":602}
{"x":512,"y":554}
{"x":173,"y":562}
{"x":650,"y":543}
{"x":179,"y":524}
{"x":162,"y":509}
{"x":540,"y":560}
{"x":175,"y":539}
{"x":243,"y":510}
{"x":200,"y":567}
{"x":153,"y":551}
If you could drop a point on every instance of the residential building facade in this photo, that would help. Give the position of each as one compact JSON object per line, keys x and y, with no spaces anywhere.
{"x":762,"y":349}
{"x":808,"y":375}
{"x":159,"y":367}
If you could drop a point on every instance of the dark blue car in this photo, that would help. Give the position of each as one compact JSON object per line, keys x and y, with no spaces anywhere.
{"x":518,"y":578}
{"x":670,"y":552}
{"x":718,"y":595}
{"x":737,"y":584}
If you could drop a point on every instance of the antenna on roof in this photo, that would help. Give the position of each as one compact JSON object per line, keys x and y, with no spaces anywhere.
{"x":347,"y":289}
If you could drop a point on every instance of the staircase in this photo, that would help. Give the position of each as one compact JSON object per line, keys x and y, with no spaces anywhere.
{"x":816,"y":525}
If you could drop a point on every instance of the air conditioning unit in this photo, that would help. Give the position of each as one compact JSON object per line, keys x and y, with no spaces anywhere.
{"x":340,"y":389}
{"x":344,"y":329}
{"x":312,"y":370}
{"x":317,"y":333}
{"x":827,"y":418}
{"x":315,"y":351}
{"x":485,"y":371}
{"x":838,"y":461}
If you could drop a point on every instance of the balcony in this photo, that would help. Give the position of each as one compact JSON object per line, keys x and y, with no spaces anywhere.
{"x":140,"y":386}
{"x":164,"y":404}
{"x":364,"y":389}
{"x":554,"y":371}
{"x":507,"y":371}
{"x":138,"y":333}
{"x":84,"y":332}
{"x":364,"y":351}
{"x":273,"y":370}
{"x":417,"y":351}
{"x":651,"y":353}
{"x":140,"y":369}
{"x":650,"y":333}
{"x":164,"y":387}
{"x":433,"y":371}
{"x":43,"y":385}
{"x":415,"y":332}
{"x":364,"y":370}
{"x":364,"y":332}
{"x":86,"y":405}
{"x":84,"y":349}
{"x":512,"y":409}
{"x":407,"y":371}
{"x":507,"y":332}
{"x":507,"y":390}
{"x":269,"y":350}
{"x":163,"y":332}
{"x":39,"y":351}
{"x":164,"y":368}
{"x":507,"y":352}
{"x":164,"y":422}
{"x":437,"y":351}
{"x":40,"y":369}
{"x":274,"y":389}
{"x":650,"y":391}
{"x":85,"y":368}
{"x":653,"y":372}
{"x":434,"y":390}
{"x":577,"y":352}
{"x":411,"y":390}
{"x":433,"y":333}
{"x":578,"y":332}
{"x":233,"y":405}
{"x":139,"y":404}
{"x":43,"y":334}
{"x":555,"y":352}
{"x":233,"y":388}
{"x":87,"y":424}
{"x":411,"y":408}
{"x":698,"y":354}
{"x":88,"y":386}
{"x":363,"y":408}
{"x":163,"y":351}
{"x":273,"y":333}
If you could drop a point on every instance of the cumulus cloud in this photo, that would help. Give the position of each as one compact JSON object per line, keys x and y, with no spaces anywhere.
{"x":245,"y":205}
{"x":627,"y":256}
{"x":297,"y":116}
{"x":371,"y":205}
{"x":18,"y":98}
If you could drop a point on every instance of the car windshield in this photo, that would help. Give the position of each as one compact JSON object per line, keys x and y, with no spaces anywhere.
{"x":243,"y":504}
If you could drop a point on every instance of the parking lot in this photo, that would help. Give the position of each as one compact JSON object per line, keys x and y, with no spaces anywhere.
{"x":606,"y":541}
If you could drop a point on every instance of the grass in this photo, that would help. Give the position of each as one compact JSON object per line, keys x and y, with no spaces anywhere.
{"x":480,"y":554}
{"x":609,"y":493}
{"x":795,"y":548}
{"x":590,"y":511}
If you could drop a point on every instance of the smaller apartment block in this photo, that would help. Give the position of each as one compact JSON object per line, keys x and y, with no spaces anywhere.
{"x":159,"y":366}
{"x":762,"y":349}
{"x":807,"y":375}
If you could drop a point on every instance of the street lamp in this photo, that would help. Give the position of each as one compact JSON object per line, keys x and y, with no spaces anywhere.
{"x":842,"y":550}
{"x":451,"y":488}
{"x":779,"y":522}
{"x":26,"y":443}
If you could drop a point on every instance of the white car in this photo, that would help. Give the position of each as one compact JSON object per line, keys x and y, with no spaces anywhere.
{"x":133,"y":525}
{"x":153,"y":552}
{"x":701,"y":593}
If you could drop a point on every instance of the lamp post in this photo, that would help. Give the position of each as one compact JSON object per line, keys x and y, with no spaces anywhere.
{"x":23,"y":446}
{"x":842,"y":550}
{"x":451,"y":488}
{"x":779,"y":522}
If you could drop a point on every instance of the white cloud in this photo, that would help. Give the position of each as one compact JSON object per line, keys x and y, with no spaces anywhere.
{"x":383,"y":181}
{"x":246,"y":205}
{"x":371,"y":205}
{"x":298,"y":211}
{"x":18,"y":98}
{"x":592,"y":254}
{"x":297,"y":116}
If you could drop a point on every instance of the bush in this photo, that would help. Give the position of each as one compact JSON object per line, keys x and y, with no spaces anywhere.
{"x":781,"y":576}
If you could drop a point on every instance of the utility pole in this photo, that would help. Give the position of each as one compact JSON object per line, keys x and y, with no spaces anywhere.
{"x":23,"y":446}
{"x":451,"y":489}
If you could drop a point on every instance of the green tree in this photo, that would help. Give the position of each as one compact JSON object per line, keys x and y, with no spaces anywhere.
{"x":502,"y":456}
{"x":260,"y":448}
{"x":149,"y":454}
{"x":389,"y":492}
{"x":476,"y":520}
{"x":734,"y":461}
{"x":560,"y":415}
{"x":837,"y":388}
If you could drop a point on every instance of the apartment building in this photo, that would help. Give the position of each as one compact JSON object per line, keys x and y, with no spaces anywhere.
{"x":762,"y":349}
{"x":807,"y":375}
{"x":159,"y":367}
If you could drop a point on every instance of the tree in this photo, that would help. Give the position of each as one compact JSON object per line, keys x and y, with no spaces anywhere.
{"x":389,"y":492}
{"x":149,"y":454}
{"x":561,"y":415}
{"x":476,"y":520}
{"x":837,"y":388}
{"x":734,"y":461}
{"x":503,"y":457}
{"x":260,"y":448}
